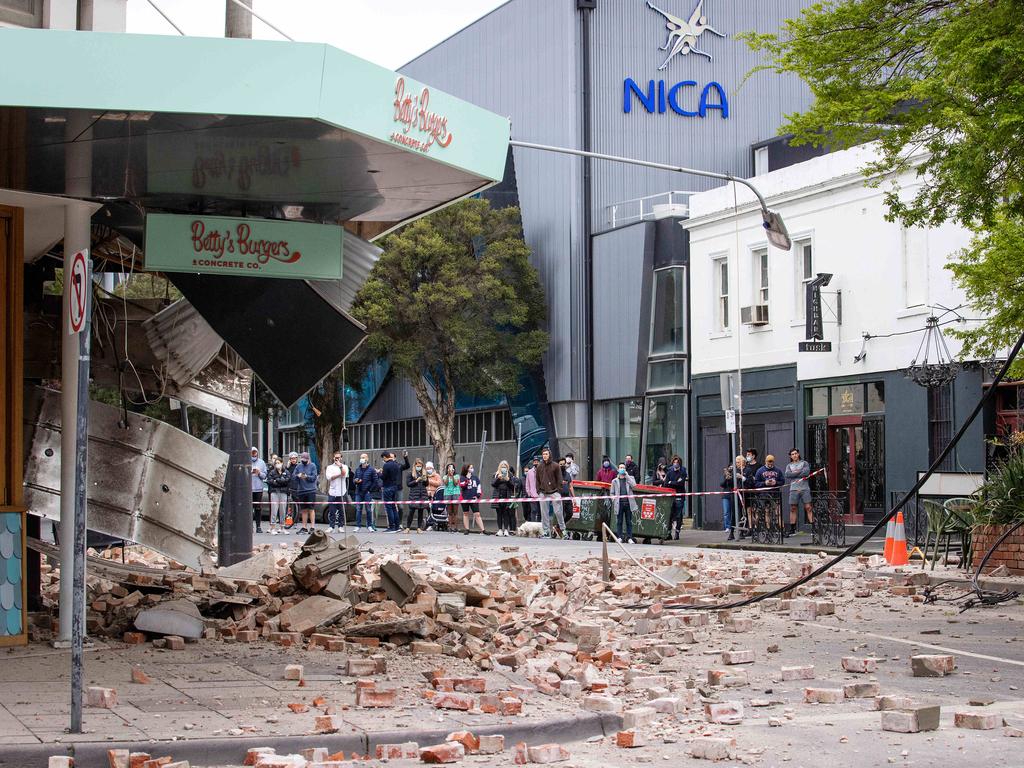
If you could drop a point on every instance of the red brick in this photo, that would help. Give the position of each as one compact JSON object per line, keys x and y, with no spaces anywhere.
{"x":298,"y":708}
{"x":117,"y":758}
{"x":137,"y":759}
{"x":140,"y":677}
{"x":104,"y":698}
{"x":510,"y":706}
{"x":247,"y":636}
{"x":134,"y":638}
{"x":326,"y":724}
{"x":410,"y":750}
{"x":175,"y":643}
{"x":470,"y":742}
{"x":445,"y":700}
{"x":520,"y":757}
{"x":252,"y":756}
{"x":630,"y":739}
{"x":547,"y":753}
{"x":372,"y":698}
{"x":442,"y":753}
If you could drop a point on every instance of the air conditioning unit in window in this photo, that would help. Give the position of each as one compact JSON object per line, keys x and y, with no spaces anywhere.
{"x":755,"y":315}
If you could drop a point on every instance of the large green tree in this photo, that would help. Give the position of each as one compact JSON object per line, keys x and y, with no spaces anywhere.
{"x":942,"y":76}
{"x":457,"y":308}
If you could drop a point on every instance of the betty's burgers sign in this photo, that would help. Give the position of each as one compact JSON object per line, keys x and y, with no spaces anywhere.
{"x":421,"y":128}
{"x":239,"y":246}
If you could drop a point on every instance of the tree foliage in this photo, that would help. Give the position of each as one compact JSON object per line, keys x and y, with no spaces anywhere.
{"x":942,"y":76}
{"x":456,"y":306}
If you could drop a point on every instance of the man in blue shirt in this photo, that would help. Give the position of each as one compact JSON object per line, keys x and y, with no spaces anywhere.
{"x":304,"y":492}
{"x":391,"y":481}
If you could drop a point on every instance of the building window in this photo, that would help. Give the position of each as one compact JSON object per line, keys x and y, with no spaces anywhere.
{"x":721,"y":277}
{"x":668,"y":312}
{"x":666,"y":431}
{"x":22,"y":13}
{"x":803,"y":262}
{"x":940,"y":425}
{"x":914,"y":247}
{"x":761,"y":279}
{"x":666,"y":374}
{"x":618,"y":425}
{"x":761,"y":161}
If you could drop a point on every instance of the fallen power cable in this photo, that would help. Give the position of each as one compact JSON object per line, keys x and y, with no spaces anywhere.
{"x":850,"y":550}
{"x":976,"y":595}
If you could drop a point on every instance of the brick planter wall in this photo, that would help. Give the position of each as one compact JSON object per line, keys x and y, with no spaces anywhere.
{"x":1010,"y":552}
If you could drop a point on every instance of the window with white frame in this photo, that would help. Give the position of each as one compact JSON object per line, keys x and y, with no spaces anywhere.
{"x":803,"y":273}
{"x":720,"y":274}
{"x":761,"y":279}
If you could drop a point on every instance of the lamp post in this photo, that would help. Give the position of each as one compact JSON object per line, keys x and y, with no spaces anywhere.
{"x":775,"y":230}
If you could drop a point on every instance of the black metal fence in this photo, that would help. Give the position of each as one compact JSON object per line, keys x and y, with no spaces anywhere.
{"x":764,"y":517}
{"x":829,"y":528}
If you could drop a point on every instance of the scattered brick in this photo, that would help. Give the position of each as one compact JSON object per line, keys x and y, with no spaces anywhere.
{"x":424,"y":648}
{"x":247,"y":636}
{"x":360,"y":667}
{"x":823,"y":695}
{"x":797,"y":673}
{"x":602,"y":703}
{"x":175,"y":643}
{"x":860,"y":690}
{"x":326,"y":724}
{"x":293,"y":672}
{"x":253,"y":755}
{"x":723,"y":712}
{"x":140,"y":677}
{"x":737,"y":657}
{"x":632,"y":719}
{"x":468,"y":741}
{"x":372,"y":698}
{"x":492,"y":744}
{"x":545,"y":754}
{"x":104,"y":698}
{"x":118,"y":758}
{"x":729,"y":678}
{"x":460,"y":701}
{"x":932,"y":665}
{"x":859,"y":665}
{"x":893,"y":702}
{"x":442,"y":753}
{"x":977,"y":721}
{"x":629,"y":739}
{"x":408,"y":750}
{"x":134,"y":638}
{"x":60,"y":761}
{"x":913,"y":720}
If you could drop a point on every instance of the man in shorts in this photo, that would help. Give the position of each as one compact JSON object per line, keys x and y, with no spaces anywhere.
{"x":796,"y":474}
{"x":304,"y":478}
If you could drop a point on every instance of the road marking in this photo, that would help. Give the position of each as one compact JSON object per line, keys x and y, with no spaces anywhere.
{"x":916,"y":643}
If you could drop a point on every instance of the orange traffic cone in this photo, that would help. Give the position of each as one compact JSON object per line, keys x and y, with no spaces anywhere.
{"x":889,"y":531}
{"x":899,"y":543}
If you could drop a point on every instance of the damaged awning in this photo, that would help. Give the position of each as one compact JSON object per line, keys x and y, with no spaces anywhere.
{"x":147,"y":481}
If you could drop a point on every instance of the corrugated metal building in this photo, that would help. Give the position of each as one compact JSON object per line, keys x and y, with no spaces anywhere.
{"x":619,"y":77}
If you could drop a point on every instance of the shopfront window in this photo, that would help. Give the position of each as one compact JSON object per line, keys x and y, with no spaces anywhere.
{"x":22,"y":13}
{"x":668,"y":312}
{"x":848,"y":399}
{"x":618,"y":425}
{"x":666,"y":431}
{"x":845,"y":400}
{"x":817,"y":401}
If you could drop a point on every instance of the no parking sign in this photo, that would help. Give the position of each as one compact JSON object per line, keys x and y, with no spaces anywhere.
{"x":78,"y":293}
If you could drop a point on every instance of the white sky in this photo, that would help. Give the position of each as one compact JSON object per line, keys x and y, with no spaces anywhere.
{"x":387,"y":33}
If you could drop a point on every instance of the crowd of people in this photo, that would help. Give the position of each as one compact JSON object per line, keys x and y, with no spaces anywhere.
{"x":544,"y":494}
{"x":747,"y":473}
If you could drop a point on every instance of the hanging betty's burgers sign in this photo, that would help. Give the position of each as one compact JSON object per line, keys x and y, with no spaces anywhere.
{"x":235,"y":246}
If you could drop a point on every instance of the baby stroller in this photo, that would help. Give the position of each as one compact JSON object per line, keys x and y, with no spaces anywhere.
{"x":439,"y":511}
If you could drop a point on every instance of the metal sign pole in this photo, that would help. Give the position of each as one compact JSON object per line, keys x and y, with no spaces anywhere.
{"x":81,"y":449}
{"x":483,"y":448}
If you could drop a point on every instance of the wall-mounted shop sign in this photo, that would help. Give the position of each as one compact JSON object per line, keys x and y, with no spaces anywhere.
{"x":815,"y":346}
{"x":660,"y":97}
{"x":252,"y":247}
{"x":421,"y":128}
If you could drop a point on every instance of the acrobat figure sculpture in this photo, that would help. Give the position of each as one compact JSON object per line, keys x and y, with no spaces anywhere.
{"x":682,"y":35}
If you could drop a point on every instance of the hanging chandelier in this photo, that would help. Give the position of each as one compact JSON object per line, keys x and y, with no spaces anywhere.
{"x":926,"y":371}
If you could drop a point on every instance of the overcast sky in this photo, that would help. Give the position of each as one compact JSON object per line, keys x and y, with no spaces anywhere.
{"x":388,"y":33}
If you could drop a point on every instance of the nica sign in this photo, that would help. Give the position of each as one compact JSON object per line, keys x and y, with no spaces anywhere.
{"x":685,"y":98}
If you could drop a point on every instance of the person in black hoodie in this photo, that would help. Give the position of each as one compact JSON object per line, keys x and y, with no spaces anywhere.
{"x":278,"y":480}
{"x":417,"y":482}
{"x":632,"y":468}
{"x":391,"y":482}
{"x":505,"y":485}
{"x":675,"y":480}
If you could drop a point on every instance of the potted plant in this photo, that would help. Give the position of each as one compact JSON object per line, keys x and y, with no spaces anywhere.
{"x":998,"y":506}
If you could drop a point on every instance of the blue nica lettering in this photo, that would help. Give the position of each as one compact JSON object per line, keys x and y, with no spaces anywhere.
{"x":660,"y":98}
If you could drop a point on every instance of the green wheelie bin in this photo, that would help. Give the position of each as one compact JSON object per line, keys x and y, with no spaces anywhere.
{"x":654,"y":510}
{"x":589,"y":512}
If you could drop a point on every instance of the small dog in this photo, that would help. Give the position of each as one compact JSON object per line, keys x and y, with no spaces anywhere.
{"x":530,"y":530}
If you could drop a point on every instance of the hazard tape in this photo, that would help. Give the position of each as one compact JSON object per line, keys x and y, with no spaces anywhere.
{"x":654,"y":491}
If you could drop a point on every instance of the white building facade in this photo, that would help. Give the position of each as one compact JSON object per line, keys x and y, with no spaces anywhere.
{"x":849,"y":410}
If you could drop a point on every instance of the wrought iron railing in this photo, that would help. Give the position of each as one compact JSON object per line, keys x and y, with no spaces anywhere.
{"x":764,"y":518}
{"x":829,"y":527}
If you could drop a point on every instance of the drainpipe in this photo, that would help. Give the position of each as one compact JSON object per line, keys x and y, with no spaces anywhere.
{"x":586,"y":7}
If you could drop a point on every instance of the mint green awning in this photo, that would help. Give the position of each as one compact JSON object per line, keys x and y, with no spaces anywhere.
{"x":246,"y":127}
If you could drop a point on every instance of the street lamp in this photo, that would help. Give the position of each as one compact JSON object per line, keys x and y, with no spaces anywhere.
{"x":771,"y":220}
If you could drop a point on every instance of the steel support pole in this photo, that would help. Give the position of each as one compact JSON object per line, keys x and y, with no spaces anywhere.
{"x":81,"y":457}
{"x":234,"y":530}
{"x":77,"y":233}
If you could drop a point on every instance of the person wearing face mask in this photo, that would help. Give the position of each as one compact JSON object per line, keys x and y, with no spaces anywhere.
{"x":417,"y":482}
{"x":624,"y":502}
{"x":607,"y":472}
{"x":278,"y":479}
{"x":365,"y":480}
{"x":450,"y":485}
{"x":293,"y":510}
{"x":531,"y":509}
{"x":337,"y":488}
{"x":471,"y":492}
{"x":259,"y":476}
{"x":675,"y":480}
{"x":391,"y":483}
{"x":503,"y":485}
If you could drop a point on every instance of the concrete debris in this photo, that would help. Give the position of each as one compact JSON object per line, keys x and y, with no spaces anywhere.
{"x":932,"y":665}
{"x":172,"y":617}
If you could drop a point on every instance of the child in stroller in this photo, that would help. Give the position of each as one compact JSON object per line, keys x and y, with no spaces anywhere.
{"x":439,"y":511}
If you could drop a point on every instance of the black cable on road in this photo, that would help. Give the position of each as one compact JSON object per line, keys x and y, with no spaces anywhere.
{"x":988,"y":395}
